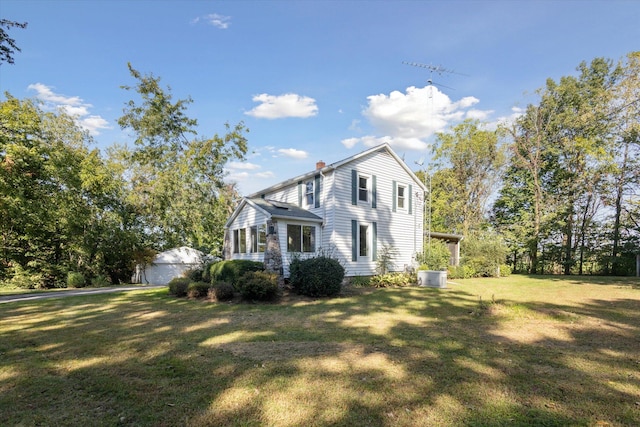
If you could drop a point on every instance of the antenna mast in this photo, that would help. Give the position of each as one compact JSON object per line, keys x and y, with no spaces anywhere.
{"x":438,"y":69}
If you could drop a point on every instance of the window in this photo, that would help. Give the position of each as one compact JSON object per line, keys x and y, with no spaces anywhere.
{"x":363,"y":188}
{"x":301,"y":238}
{"x":402,"y":192}
{"x":309,"y":192}
{"x":258,"y":238}
{"x":236,"y":242}
{"x":262,"y":237}
{"x":363,"y":241}
{"x":243,"y":240}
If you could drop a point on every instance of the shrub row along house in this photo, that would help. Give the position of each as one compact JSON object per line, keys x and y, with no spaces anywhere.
{"x":353,"y":210}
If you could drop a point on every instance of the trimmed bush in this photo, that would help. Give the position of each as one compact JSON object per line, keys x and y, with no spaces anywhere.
{"x":76,"y":280}
{"x":198,"y":289}
{"x":258,"y":286}
{"x":231,"y":270}
{"x":222,"y":291}
{"x":195,"y":275}
{"x":178,"y":286}
{"x":316,"y":277}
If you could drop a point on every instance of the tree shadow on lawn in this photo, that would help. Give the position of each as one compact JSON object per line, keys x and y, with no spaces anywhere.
{"x":389,"y":357}
{"x":629,"y":281}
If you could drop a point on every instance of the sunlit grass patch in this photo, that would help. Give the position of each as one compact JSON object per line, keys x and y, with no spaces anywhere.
{"x":541,"y":352}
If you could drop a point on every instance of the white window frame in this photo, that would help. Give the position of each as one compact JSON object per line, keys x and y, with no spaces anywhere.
{"x":366,"y":240}
{"x":309,"y":193}
{"x":404,"y":198}
{"x":300,"y":248}
{"x":367,"y":189}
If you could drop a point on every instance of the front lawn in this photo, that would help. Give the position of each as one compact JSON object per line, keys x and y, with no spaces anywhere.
{"x":521,"y":350}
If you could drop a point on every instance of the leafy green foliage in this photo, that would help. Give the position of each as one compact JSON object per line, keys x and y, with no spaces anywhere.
{"x":222,"y":291}
{"x":198,"y":289}
{"x":384,"y":263}
{"x":392,"y":280}
{"x":231,"y":270}
{"x":8,"y":45}
{"x":461,"y":272}
{"x":436,"y":256}
{"x":178,"y":286}
{"x":317,"y":276}
{"x":469,"y":159}
{"x":360,"y":281}
{"x":100,"y":281}
{"x":61,"y":205}
{"x":483,"y":253}
{"x":76,"y":280}
{"x":258,"y":286}
{"x":177,"y":177}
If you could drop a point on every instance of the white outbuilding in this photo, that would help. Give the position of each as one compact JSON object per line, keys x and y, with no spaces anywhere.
{"x":168,"y":265}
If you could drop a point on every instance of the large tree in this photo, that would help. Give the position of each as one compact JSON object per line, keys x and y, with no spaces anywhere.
{"x":570,"y":162}
{"x":60,"y":206}
{"x":469,"y":160}
{"x":177,"y":177}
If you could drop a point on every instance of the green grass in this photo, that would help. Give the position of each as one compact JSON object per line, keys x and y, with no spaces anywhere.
{"x":521,"y":351}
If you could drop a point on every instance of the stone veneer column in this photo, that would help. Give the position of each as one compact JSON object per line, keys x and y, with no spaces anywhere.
{"x":273,"y":253}
{"x":226,"y":245}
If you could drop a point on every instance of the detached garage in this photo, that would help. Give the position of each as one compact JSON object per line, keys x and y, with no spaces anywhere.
{"x":169,"y":264}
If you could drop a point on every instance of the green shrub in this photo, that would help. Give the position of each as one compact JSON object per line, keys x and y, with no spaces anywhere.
{"x":198,"y":289}
{"x":21,"y":278}
{"x":505,"y":270}
{"x":222,"y":291}
{"x":392,"y":279}
{"x":461,"y":272}
{"x":195,"y":274}
{"x":436,"y":257}
{"x":206,"y":271}
{"x":100,"y":281}
{"x":76,"y":280}
{"x":316,"y":277}
{"x":231,"y":270}
{"x":483,"y":252}
{"x":258,"y":286}
{"x":360,"y":281}
{"x":178,"y":286}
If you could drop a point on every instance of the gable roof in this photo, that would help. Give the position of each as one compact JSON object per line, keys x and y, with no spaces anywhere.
{"x":275,"y":209}
{"x":382,"y":147}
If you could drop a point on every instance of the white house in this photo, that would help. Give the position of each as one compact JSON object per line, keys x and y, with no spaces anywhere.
{"x":169,"y":264}
{"x":352,"y":210}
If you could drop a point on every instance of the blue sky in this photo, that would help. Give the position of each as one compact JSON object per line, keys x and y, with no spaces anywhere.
{"x":312,"y":80}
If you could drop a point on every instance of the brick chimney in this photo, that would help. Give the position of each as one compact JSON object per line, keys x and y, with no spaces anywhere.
{"x":320,"y":165}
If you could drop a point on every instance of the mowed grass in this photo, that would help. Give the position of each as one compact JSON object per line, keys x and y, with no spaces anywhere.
{"x":521,"y":350}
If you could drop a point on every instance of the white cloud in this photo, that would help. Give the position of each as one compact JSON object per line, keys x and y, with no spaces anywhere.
{"x":287,"y":105}
{"x":218,"y":21}
{"x":409,"y":119}
{"x":265,"y":175}
{"x":71,"y":105}
{"x":293,"y":153}
{"x":242,"y":166}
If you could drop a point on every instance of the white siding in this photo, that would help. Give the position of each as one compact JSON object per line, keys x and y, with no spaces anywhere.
{"x":247,"y":218}
{"x":400,"y":230}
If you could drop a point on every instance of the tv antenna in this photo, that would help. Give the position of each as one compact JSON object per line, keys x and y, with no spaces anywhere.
{"x":438,"y":69}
